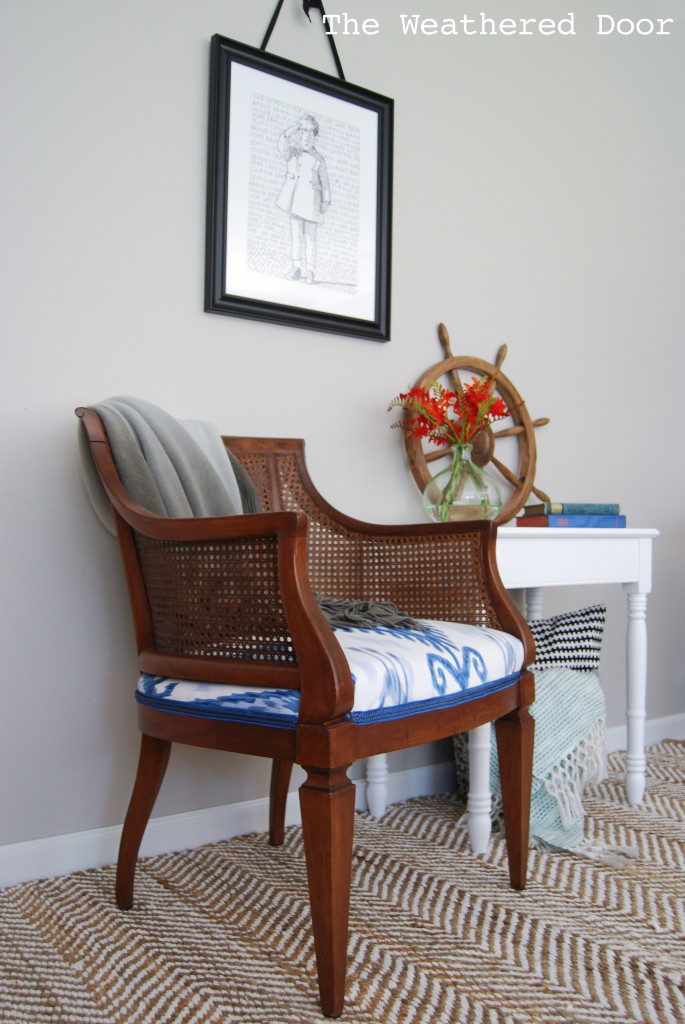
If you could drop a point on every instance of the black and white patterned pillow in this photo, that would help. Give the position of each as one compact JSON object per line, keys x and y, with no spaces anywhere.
{"x":570,"y":640}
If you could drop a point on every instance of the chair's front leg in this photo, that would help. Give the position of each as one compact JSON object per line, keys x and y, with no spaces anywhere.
{"x":515,"y":734}
{"x":154,"y":757}
{"x":327,"y":799}
{"x":280,"y":780}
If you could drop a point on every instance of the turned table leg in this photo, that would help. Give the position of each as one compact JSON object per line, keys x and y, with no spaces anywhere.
{"x":377,"y":784}
{"x":636,"y":686}
{"x":480,"y":799}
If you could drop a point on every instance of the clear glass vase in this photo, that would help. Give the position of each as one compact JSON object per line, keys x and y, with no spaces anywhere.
{"x":462,"y":491}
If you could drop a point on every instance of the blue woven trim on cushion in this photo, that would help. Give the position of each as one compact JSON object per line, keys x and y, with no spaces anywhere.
{"x":275,"y":708}
{"x":420,"y":707}
{"x":396,"y":673}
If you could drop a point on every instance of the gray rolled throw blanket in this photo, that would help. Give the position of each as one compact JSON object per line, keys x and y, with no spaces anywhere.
{"x":340,"y":614}
{"x":171,"y":468}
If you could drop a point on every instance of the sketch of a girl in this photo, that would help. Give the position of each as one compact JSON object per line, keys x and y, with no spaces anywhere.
{"x":305,"y":194}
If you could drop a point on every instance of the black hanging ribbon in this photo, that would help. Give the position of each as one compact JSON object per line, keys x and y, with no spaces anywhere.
{"x":306,"y":6}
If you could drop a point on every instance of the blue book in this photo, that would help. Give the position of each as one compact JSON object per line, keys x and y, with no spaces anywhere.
{"x":572,"y":508}
{"x":607,"y":522}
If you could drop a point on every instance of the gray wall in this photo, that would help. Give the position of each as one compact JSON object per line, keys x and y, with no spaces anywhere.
{"x":538,"y":202}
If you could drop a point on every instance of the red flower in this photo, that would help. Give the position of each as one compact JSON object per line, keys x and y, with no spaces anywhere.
{"x":448,"y":417}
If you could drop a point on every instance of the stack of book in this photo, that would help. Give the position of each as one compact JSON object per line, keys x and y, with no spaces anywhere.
{"x":572,"y":513}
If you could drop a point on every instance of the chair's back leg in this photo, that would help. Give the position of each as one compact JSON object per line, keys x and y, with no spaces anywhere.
{"x":327,"y":800}
{"x":515,"y":734}
{"x":280,"y":780}
{"x":154,"y":757}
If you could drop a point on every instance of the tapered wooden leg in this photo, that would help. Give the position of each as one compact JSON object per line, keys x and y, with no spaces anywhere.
{"x":280,"y":780}
{"x":327,"y":800}
{"x":154,"y":757}
{"x":515,"y":735}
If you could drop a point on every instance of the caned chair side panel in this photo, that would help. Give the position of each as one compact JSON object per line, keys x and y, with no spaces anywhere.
{"x":217,"y":600}
{"x":334,"y":552}
{"x":443,"y":579}
{"x":440,"y":579}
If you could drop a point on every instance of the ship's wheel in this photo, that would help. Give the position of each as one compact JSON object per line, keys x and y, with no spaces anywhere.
{"x":508,"y":450}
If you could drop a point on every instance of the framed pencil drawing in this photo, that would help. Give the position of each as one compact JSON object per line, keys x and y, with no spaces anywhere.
{"x":299,"y":195}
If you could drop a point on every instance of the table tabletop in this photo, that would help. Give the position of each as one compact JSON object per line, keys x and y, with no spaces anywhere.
{"x":542,"y":556}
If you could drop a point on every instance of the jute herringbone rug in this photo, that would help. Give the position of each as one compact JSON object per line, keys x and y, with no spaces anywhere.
{"x":221,"y":934}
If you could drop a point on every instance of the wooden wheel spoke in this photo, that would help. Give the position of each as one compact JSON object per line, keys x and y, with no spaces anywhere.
{"x":506,"y":472}
{"x":456,"y":380}
{"x":540,"y":494}
{"x":519,"y":428}
{"x":514,"y":481}
{"x":509,"y":431}
{"x":443,"y":334}
{"x":434,"y":456}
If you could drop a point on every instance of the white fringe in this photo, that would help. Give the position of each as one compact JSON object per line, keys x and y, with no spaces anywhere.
{"x":586,"y":765}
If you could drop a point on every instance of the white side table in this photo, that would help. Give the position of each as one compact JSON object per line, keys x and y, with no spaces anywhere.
{"x":530,"y":559}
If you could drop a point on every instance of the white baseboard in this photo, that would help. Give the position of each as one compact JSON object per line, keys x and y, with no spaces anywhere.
{"x":64,"y":854}
{"x":434,"y":778}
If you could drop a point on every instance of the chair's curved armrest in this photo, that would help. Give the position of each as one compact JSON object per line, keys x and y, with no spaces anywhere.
{"x":230,"y":600}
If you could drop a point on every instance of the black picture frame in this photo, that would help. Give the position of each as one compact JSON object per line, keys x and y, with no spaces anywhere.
{"x":283,"y":141}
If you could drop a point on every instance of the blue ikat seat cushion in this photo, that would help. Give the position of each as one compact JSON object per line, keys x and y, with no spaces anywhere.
{"x":396,"y":673}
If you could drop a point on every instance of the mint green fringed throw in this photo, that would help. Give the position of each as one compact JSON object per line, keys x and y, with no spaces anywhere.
{"x":570,"y":754}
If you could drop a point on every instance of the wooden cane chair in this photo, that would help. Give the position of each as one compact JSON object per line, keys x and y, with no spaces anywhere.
{"x":231,"y":600}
